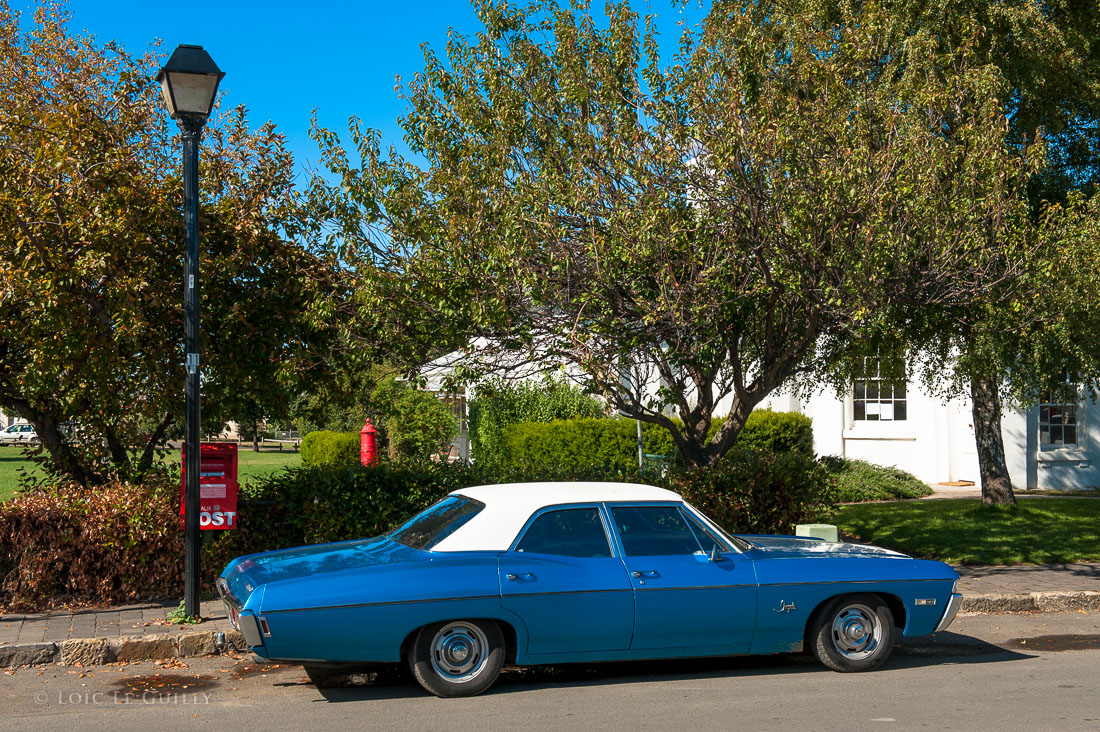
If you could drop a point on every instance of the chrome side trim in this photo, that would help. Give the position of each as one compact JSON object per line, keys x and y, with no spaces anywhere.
{"x":844,"y":582}
{"x":372,"y":604}
{"x":950,"y":612}
{"x":647,"y":588}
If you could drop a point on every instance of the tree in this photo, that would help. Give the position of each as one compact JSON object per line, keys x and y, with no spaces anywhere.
{"x":720,"y":224}
{"x":91,"y":231}
{"x":1017,"y":339}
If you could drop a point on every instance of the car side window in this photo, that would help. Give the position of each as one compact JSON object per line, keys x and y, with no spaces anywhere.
{"x":567,"y":532}
{"x":705,"y":536}
{"x":650,"y":531}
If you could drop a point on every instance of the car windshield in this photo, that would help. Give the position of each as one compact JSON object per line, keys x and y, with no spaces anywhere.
{"x":433,"y":525}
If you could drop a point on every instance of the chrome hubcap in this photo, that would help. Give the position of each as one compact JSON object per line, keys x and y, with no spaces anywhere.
{"x":459,"y":652}
{"x":856,"y":632}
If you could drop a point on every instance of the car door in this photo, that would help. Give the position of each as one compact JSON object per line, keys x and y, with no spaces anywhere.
{"x":691,"y":590}
{"x":563,"y":579}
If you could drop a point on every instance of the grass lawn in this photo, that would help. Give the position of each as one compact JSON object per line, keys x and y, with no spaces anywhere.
{"x":249,"y":465}
{"x":962,"y":531}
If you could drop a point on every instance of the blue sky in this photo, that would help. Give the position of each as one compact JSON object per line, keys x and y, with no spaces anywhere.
{"x":283,"y":59}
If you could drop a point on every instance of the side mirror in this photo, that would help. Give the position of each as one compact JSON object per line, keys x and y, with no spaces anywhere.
{"x":715,"y":556}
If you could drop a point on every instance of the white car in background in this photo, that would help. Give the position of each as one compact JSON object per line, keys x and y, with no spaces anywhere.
{"x":19,"y":434}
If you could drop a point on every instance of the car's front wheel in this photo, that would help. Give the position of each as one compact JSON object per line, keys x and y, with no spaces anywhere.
{"x":457,"y":658}
{"x":853,"y":633}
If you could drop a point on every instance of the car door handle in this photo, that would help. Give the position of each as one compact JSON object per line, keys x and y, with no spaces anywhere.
{"x":644,"y":573}
{"x":512,"y":577}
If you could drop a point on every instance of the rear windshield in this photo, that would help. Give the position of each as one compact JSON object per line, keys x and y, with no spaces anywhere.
{"x":433,"y":525}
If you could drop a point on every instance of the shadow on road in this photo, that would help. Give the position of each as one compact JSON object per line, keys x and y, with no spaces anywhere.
{"x":943,"y":648}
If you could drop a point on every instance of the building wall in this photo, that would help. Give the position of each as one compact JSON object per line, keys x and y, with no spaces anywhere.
{"x":936,"y":440}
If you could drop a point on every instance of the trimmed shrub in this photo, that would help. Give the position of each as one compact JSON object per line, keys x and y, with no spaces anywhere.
{"x":500,"y":404}
{"x":580,"y":444}
{"x":117,"y":543}
{"x":613,"y":443}
{"x":330,"y":448}
{"x":758,"y":492}
{"x":858,"y":481}
{"x":778,"y":432}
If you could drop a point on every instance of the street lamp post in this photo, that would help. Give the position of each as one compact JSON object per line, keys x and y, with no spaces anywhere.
{"x":189,"y":82}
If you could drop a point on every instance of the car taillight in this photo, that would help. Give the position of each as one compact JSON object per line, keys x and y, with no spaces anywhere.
{"x":263,"y":627}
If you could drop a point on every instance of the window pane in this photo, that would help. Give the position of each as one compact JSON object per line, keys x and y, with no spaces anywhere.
{"x":899,"y":391}
{"x":1070,"y":435}
{"x":860,"y":389}
{"x":436,"y":523}
{"x":872,"y":390}
{"x":1044,"y":434}
{"x":648,"y":531}
{"x":858,"y":407}
{"x":1070,"y":416}
{"x":570,"y":532}
{"x":899,"y":410}
{"x":1044,"y":415}
{"x":706,"y":538}
{"x":1055,"y":434}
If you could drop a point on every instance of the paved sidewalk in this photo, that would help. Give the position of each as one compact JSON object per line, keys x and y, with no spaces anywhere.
{"x":128,"y":620}
{"x":1025,"y":579}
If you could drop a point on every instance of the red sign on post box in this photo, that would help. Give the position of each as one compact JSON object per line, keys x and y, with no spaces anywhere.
{"x":217,"y":486}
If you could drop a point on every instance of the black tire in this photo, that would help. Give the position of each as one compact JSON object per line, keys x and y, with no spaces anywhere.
{"x":458,"y":657}
{"x":853,"y":633}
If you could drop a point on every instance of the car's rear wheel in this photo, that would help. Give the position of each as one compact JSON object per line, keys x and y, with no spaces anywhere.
{"x":458,"y":657}
{"x":853,"y":633}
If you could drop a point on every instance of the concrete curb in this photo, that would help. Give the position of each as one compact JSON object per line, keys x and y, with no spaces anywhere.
{"x":161,"y":646}
{"x":1032,"y":602}
{"x":95,"y":651}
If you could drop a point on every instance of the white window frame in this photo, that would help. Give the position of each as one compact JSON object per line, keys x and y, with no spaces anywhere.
{"x":1048,"y":400}
{"x":878,"y":401}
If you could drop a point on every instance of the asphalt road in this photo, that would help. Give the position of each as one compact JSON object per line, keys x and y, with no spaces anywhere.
{"x":1000,"y":672}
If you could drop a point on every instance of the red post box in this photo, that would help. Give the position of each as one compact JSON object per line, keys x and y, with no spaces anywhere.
{"x":218,"y":486}
{"x":368,"y":444}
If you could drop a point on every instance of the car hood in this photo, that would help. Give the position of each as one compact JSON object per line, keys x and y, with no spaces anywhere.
{"x":806,"y":547}
{"x":245,"y":574}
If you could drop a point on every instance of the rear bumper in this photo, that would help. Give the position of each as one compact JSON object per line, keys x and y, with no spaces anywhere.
{"x":243,"y":620}
{"x":950,"y":612}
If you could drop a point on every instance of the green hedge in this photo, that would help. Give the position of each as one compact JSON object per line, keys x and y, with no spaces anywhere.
{"x":758,"y":492}
{"x":500,"y":404}
{"x":330,"y":448}
{"x":613,"y":443}
{"x":858,"y":481}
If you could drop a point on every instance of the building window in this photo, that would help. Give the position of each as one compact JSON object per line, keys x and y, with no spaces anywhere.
{"x":879,"y":393}
{"x":1059,"y":417}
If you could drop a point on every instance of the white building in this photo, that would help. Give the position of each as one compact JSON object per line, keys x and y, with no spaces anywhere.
{"x":1051,"y":445}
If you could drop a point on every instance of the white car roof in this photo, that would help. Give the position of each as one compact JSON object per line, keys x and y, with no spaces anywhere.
{"x":509,"y":505}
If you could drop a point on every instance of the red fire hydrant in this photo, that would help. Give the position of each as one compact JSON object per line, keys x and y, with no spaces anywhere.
{"x":368,"y":444}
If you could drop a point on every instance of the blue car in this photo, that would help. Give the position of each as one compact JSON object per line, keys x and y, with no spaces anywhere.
{"x":542,"y":573}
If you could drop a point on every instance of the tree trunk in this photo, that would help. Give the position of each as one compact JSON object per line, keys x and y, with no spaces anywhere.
{"x":65,"y":460}
{"x":255,"y":437}
{"x":996,"y":483}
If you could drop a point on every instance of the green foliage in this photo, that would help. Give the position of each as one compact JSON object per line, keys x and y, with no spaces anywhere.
{"x":857,"y":481}
{"x":179,"y":616}
{"x":324,"y":448}
{"x":580,"y":443}
{"x":500,"y":404}
{"x":962,"y":531}
{"x":726,"y":220}
{"x":415,"y":422}
{"x":755,"y":492}
{"x":778,"y":432}
{"x":90,"y":195}
{"x":588,"y":443}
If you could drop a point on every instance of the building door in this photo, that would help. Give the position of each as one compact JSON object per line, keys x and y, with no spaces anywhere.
{"x":964,"y":450}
